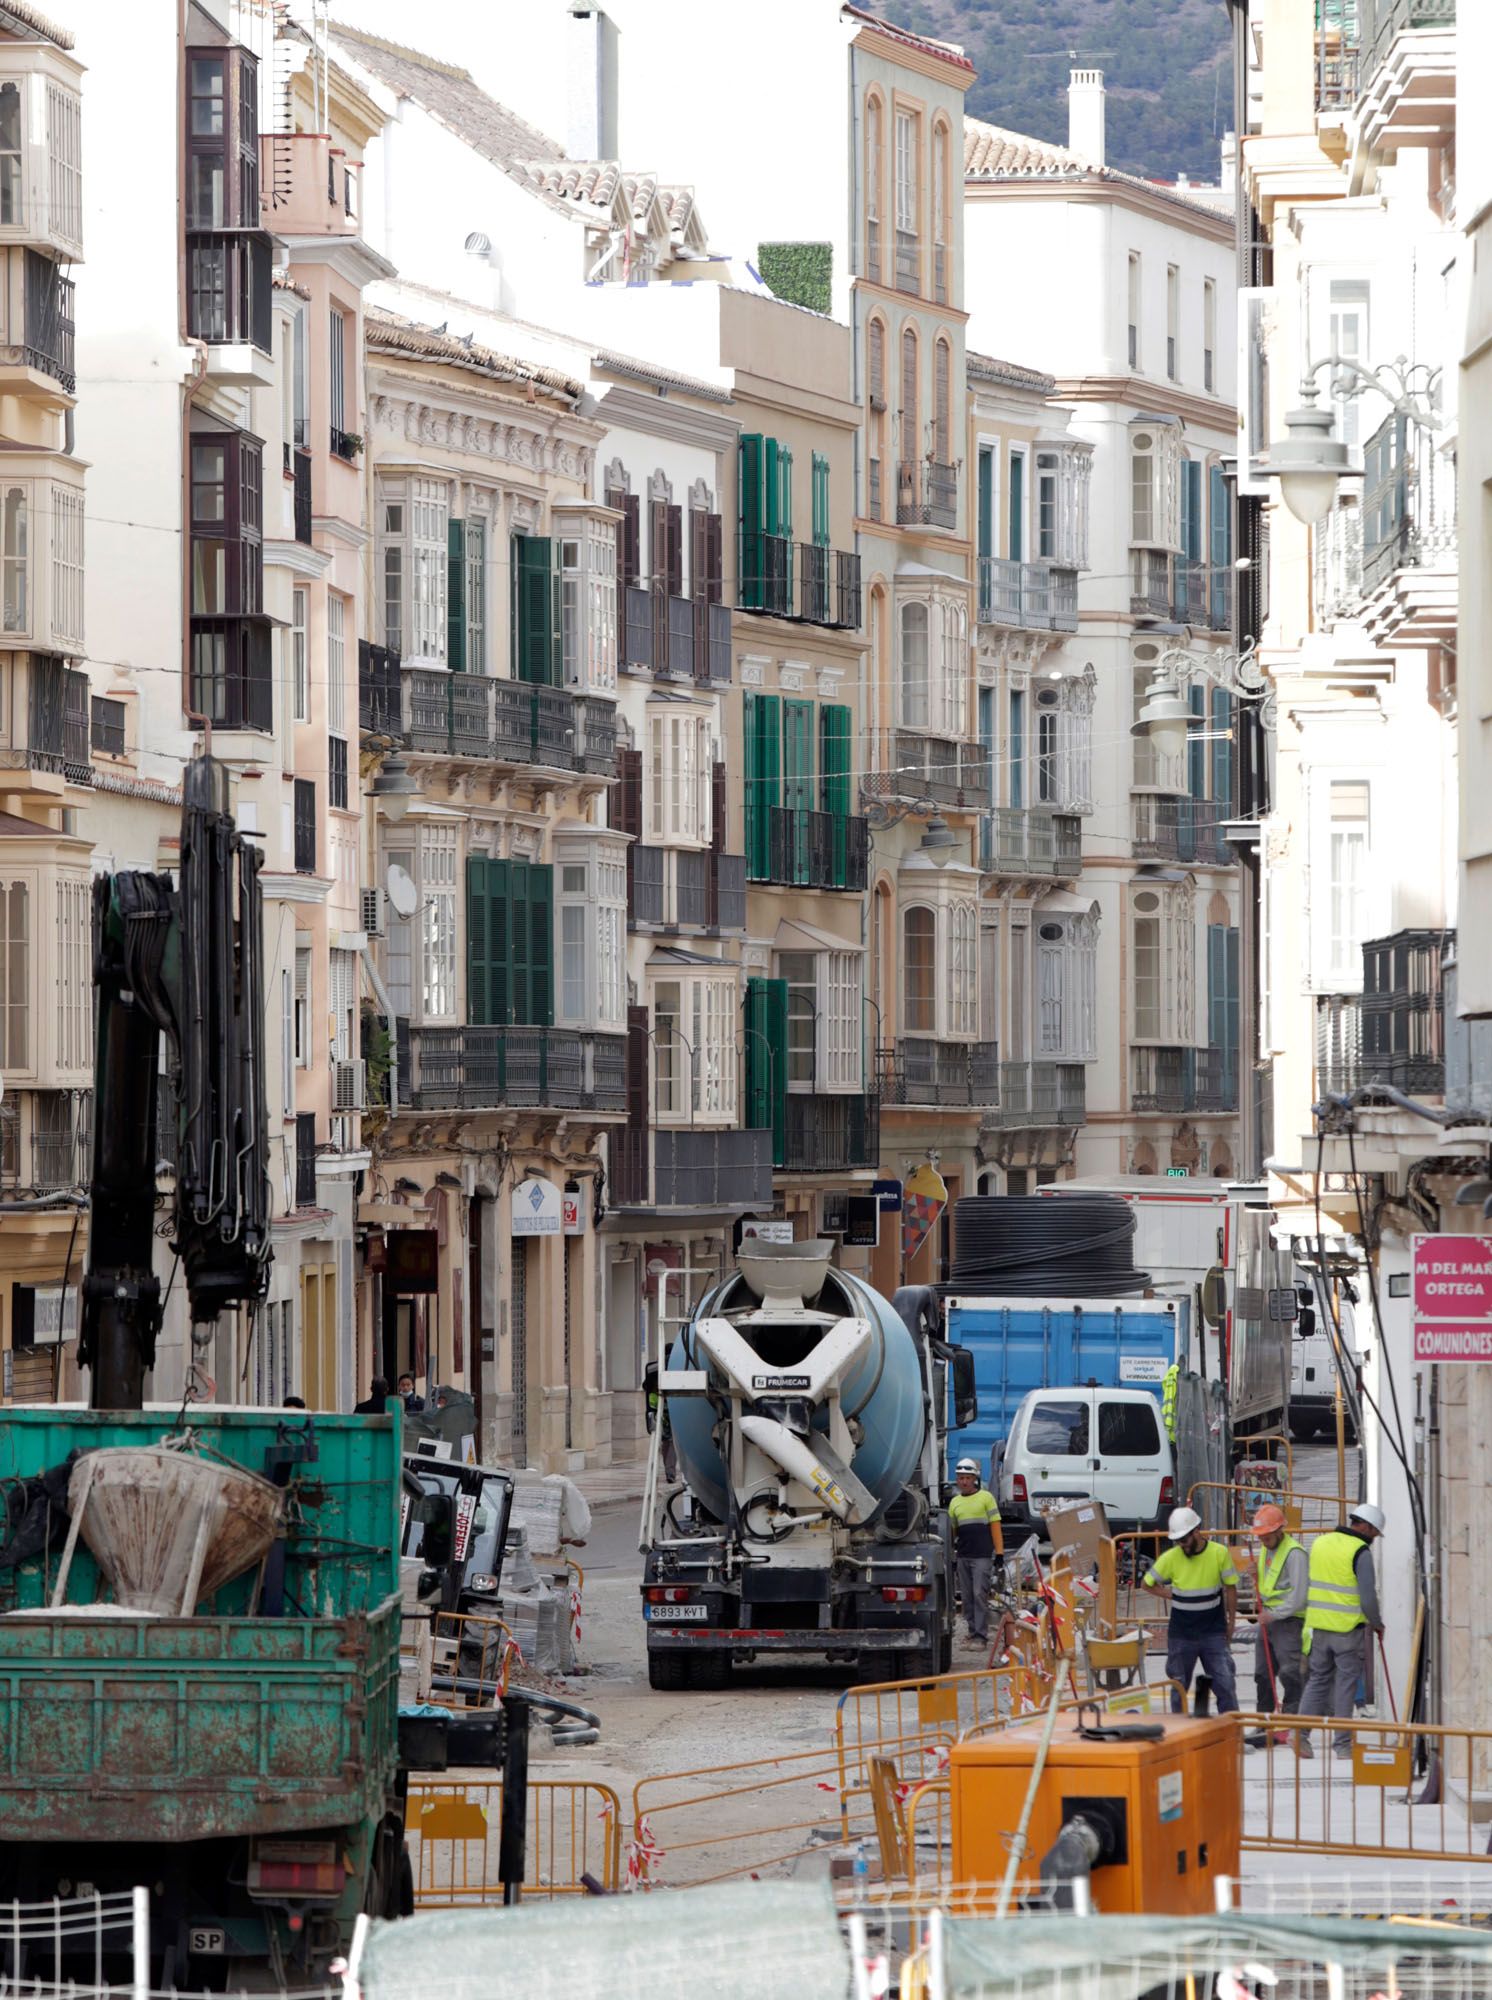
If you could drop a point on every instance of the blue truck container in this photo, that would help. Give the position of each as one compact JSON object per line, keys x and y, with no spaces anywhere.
{"x":1024,"y":1344}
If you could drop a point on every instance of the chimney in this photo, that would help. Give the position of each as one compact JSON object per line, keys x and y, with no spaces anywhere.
{"x":591,"y":124}
{"x":1085,"y":115}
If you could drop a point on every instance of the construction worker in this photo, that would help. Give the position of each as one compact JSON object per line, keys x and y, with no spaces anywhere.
{"x":1169,"y":1390}
{"x":1341,"y":1610}
{"x":1199,"y":1581}
{"x":1283,"y":1574}
{"x":977,"y":1536}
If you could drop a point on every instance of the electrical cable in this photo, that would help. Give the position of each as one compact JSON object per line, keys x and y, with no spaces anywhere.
{"x":1041,"y":1246}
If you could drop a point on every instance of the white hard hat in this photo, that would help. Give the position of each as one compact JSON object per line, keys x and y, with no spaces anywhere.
{"x":1374,"y":1517}
{"x":1181,"y":1523}
{"x":966,"y":1465}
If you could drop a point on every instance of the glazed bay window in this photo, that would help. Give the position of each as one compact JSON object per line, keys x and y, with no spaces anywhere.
{"x":694,"y":1038}
{"x":231,"y":654}
{"x":677,"y":806}
{"x":1062,"y":480}
{"x":509,"y":942}
{"x":824,"y":1029}
{"x":413,"y":566}
{"x":932,"y":665}
{"x":41,"y":147}
{"x":41,"y":559}
{"x":15,"y":977}
{"x":919,"y":966}
{"x":1155,"y":487}
{"x":590,"y":896}
{"x":586,"y":547}
{"x":1162,"y":1001}
{"x":228,"y":252}
{"x":1349,"y":894}
{"x":437,"y":922}
{"x":1066,"y":984}
{"x":940,"y":969}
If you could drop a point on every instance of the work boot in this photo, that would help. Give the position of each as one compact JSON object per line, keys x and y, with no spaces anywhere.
{"x":1256,"y":1739}
{"x":1303,"y":1745}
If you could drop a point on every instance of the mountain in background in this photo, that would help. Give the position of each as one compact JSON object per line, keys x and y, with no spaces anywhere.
{"x":1167,"y":68}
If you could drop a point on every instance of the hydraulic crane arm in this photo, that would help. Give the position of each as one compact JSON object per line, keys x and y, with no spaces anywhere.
{"x":184,"y":962}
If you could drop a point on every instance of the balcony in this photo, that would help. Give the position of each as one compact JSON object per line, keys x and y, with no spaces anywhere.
{"x":807,"y":581}
{"x":676,"y":638}
{"x":1394,"y":1033}
{"x":46,"y":1141}
{"x":1338,"y":61}
{"x":305,"y":1159}
{"x":816,"y":850}
{"x":233,"y":673}
{"x":1337,"y":564}
{"x":229,"y":302}
{"x":826,"y":1134}
{"x":1024,"y":841}
{"x":1152,"y":585}
{"x":1175,"y":1080}
{"x":1202,"y":596}
{"x":910,"y":767}
{"x":379,"y":698}
{"x":36,"y":328}
{"x":508,"y":722}
{"x":1409,"y":561}
{"x":926,"y":493}
{"x":690,"y":1168}
{"x":1040,"y":1096}
{"x":1037,"y":597}
{"x":908,"y":262}
{"x":481,"y":1069}
{"x":1406,"y":73}
{"x":50,"y":721}
{"x":954,"y":1075}
{"x":1171,"y":829}
{"x":344,"y":444}
{"x":678,"y":888}
{"x":310,"y":187}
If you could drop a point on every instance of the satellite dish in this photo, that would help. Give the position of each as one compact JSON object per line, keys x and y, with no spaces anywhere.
{"x":404,"y":896}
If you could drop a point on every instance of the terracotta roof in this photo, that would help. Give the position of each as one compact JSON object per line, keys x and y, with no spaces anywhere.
{"x":631,"y":368}
{"x":12,"y":824}
{"x":282,"y":283}
{"x":991,"y":154}
{"x":949,"y":51}
{"x":451,"y":95}
{"x":390,"y":333}
{"x":26,"y":16}
{"x":985,"y":368}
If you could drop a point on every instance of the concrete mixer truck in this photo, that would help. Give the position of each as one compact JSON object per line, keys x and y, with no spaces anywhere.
{"x":810,"y":1420}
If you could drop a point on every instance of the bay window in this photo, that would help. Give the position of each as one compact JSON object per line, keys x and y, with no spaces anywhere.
{"x":509,"y":942}
{"x":398,"y":948}
{"x":588,"y":601}
{"x":1348,"y":884}
{"x":231,"y":649}
{"x":429,"y":540}
{"x":436,"y":854}
{"x":15,"y":976}
{"x":591,"y":913}
{"x":1155,"y":487}
{"x":694,"y":1037}
{"x":679,"y":766}
{"x":919,"y":959}
{"x":824,"y":1029}
{"x":963,"y":981}
{"x":228,"y":252}
{"x":1161,"y":997}
{"x":41,"y":560}
{"x":1066,"y":979}
{"x":1062,"y":480}
{"x":940,"y":969}
{"x":41,"y":195}
{"x":1064,"y":754}
{"x":933,"y":665}
{"x":913,"y":666}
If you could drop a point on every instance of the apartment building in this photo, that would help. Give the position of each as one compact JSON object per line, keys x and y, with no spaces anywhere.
{"x":46,"y":726}
{"x":1106,"y":552}
{"x":1357,"y":282}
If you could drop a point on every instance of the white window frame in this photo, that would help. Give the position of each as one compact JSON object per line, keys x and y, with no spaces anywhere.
{"x":1174,"y":1012}
{"x":932,"y":691}
{"x":1173,"y":322}
{"x":701,"y":1079}
{"x":393,"y":564}
{"x":399,"y":944}
{"x":1134,"y":306}
{"x":287,"y":1042}
{"x":913,"y":663}
{"x":962,"y":984}
{"x":67,"y":568}
{"x":835,"y":982}
{"x":678,"y":776}
{"x":336,"y":664}
{"x":477,"y":556}
{"x":300,"y":664}
{"x":1155,"y":481}
{"x":588,"y":604}
{"x":1065,"y":999}
{"x":305,"y":975}
{"x":1209,"y":337}
{"x":907,"y":163}
{"x":1348,"y":851}
{"x":590,"y":936}
{"x":426,"y":542}
{"x":437,"y":970}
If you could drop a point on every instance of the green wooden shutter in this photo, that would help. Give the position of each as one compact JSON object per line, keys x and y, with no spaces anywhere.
{"x":797,"y":784}
{"x":520,"y":943}
{"x":478,"y":942}
{"x":785,"y":492}
{"x":1016,"y":548}
{"x":1196,"y":749}
{"x":771,"y":488}
{"x":762,"y":718}
{"x":1220,"y":525}
{"x":1222,"y":752}
{"x":536,"y":634}
{"x":751,"y":481}
{"x":541,"y":944}
{"x":820,"y":500}
{"x":986,"y":501}
{"x":834,"y":768}
{"x":456,"y":596}
{"x":1232,"y":1004}
{"x":766,"y":1061}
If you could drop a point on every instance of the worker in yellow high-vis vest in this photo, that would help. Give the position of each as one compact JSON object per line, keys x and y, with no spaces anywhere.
{"x":1170,"y":1388}
{"x":1341,"y":1611}
{"x":1282,"y":1576}
{"x":977,"y":1539}
{"x":1200,"y":1584}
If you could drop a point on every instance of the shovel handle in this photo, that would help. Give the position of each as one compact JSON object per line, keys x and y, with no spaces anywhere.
{"x":1393,"y":1707}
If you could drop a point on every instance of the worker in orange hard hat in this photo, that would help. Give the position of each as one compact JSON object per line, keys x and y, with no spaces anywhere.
{"x":1283,"y":1581}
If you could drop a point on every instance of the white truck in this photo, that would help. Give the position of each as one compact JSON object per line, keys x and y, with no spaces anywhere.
{"x":1243,"y":1317}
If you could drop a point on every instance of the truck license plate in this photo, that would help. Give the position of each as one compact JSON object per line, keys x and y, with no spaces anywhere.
{"x":207,"y":1941}
{"x":692,"y":1611}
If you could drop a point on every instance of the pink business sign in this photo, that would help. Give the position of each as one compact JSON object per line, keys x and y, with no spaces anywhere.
{"x":1453,"y":1298}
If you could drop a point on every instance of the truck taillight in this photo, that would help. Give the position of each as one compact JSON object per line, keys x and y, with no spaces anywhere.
{"x":1018,"y":1487}
{"x":296,"y":1868}
{"x":1168,"y":1491}
{"x":903,"y":1593}
{"x":668,"y":1593}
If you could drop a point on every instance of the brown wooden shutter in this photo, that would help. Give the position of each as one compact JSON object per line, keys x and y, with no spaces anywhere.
{"x":699,"y":553}
{"x":717,"y":844}
{"x":631,"y":539}
{"x":714,"y":559}
{"x":658,"y":544}
{"x":675,"y":545}
{"x":628,"y":806}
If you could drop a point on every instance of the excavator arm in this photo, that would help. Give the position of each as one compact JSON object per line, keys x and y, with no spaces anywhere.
{"x":181,"y":961}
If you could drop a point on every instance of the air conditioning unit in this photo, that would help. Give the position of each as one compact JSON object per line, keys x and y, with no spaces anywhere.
{"x":374,"y":914}
{"x":349,"y":1085}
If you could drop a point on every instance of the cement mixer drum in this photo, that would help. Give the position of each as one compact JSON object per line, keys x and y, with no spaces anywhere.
{"x":168,"y":1527}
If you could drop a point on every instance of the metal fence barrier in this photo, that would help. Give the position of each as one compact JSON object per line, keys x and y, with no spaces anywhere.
{"x":1233,"y":1507}
{"x":574,"y":1829}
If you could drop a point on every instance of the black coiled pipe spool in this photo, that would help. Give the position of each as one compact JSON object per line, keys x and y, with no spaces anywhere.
{"x":1045,"y":1246}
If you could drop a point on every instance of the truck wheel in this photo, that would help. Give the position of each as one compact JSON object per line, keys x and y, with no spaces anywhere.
{"x":668,"y":1672}
{"x":711,"y":1670}
{"x":945,"y":1653}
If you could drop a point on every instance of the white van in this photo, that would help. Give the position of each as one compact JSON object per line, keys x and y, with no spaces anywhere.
{"x":1068,"y":1445}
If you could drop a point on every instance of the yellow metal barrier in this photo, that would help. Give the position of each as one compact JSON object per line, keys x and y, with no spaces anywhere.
{"x":1404,"y":1790}
{"x":474,"y":1650}
{"x":1305,"y":1513}
{"x":574,"y":1828}
{"x":914,"y":1721}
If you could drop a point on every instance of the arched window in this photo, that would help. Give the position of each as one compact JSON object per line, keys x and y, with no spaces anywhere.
{"x":943,"y":403}
{"x":919,"y":958}
{"x":940,"y":214}
{"x":908,"y":485}
{"x":874,"y":169}
{"x":912,"y":667}
{"x":963,"y":985}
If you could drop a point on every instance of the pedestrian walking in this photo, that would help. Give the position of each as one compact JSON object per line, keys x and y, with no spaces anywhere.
{"x":1198,"y":1580}
{"x":376,"y":1401}
{"x":1341,"y":1610}
{"x":1283,"y":1576}
{"x":977,"y":1536}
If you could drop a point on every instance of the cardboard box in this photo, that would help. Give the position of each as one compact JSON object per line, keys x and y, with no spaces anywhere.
{"x":1078,"y":1532}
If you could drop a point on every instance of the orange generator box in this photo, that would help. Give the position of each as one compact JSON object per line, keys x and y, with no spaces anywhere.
{"x":1163,"y":1794}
